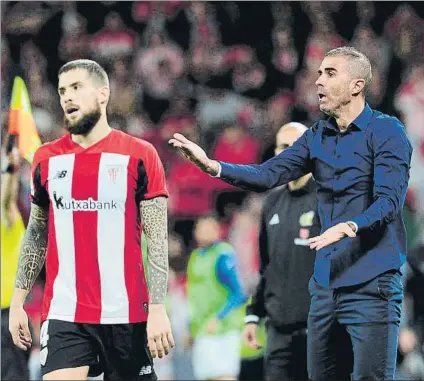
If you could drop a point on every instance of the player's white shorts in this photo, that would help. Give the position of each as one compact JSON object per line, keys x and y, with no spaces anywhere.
{"x":217,"y":356}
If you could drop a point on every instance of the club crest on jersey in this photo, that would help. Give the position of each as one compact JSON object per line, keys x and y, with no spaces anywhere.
{"x":307,"y":219}
{"x":114,"y":172}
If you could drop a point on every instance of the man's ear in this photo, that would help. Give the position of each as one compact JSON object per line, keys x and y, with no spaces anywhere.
{"x":104,"y":93}
{"x":357,"y":85}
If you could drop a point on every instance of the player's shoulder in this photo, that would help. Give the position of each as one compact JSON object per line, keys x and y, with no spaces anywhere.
{"x":131,"y":145}
{"x":51,"y":149}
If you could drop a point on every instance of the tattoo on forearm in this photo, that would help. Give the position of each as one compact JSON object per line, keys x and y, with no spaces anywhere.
{"x":33,"y":249}
{"x":155,"y":226}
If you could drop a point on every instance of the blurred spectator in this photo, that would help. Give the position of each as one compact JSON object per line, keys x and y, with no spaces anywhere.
{"x":207,"y":59}
{"x":75,"y":42}
{"x":123,"y":89}
{"x":285,"y":57}
{"x":44,"y":104}
{"x":191,"y":195}
{"x":26,"y":18}
{"x":283,"y":15}
{"x":365,"y":11}
{"x":159,"y":65}
{"x":114,"y":40}
{"x":248,"y":76}
{"x":155,"y":13}
{"x":279,"y":110}
{"x":409,"y":101}
{"x":405,"y":30}
{"x":236,"y":145}
{"x":322,"y":38}
{"x":203,"y":23}
{"x":218,"y":106}
{"x":31,"y":59}
{"x":243,"y":236}
{"x":377,"y":49}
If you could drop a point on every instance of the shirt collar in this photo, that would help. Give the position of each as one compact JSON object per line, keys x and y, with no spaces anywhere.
{"x":361,"y":121}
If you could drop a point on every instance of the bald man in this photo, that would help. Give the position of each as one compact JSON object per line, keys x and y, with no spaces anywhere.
{"x":289,"y":219}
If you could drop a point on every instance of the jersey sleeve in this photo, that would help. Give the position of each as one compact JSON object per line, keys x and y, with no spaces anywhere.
{"x":151,"y":174}
{"x":39,"y":195}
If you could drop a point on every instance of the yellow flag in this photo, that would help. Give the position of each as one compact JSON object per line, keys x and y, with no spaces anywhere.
{"x":21,"y":121}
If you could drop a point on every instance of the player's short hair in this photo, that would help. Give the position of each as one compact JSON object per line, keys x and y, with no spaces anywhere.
{"x":359,"y":64}
{"x":95,"y":71}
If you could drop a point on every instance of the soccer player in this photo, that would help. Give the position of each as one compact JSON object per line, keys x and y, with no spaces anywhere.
{"x":360,"y":159}
{"x":93,"y":193}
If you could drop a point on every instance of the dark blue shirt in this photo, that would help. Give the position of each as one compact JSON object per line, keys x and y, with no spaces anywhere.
{"x":362,"y":175}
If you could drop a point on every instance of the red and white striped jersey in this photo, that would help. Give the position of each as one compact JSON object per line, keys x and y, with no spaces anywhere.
{"x":94,"y":266}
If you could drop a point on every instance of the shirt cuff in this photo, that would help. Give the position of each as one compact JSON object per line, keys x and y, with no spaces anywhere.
{"x":219,"y":170}
{"x":251,"y":319}
{"x":361,"y":221}
{"x":355,"y":225}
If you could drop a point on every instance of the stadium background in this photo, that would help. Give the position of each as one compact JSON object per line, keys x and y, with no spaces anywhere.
{"x":228,"y":75}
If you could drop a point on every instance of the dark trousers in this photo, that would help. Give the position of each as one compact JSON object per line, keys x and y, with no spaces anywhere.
{"x":14,"y":361}
{"x":353,"y":331}
{"x":285,"y":354}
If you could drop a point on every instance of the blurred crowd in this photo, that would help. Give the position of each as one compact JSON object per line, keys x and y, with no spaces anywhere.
{"x":227,"y":75}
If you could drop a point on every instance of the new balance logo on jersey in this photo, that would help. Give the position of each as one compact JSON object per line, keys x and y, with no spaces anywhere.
{"x":83,"y":205}
{"x":145,"y":370}
{"x":60,"y":174}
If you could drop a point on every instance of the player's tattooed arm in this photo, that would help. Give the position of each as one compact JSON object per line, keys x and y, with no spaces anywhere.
{"x":33,"y":248}
{"x":154,"y":217}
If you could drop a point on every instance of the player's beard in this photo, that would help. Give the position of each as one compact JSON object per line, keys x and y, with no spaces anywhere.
{"x":84,"y":125}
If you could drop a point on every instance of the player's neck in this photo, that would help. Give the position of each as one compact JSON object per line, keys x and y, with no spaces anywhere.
{"x":349,"y":113}
{"x":99,"y":132}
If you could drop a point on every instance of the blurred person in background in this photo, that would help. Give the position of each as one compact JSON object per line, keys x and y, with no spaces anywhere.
{"x":158,"y":65}
{"x":215,"y":299}
{"x":411,"y":337}
{"x":14,"y":361}
{"x":289,"y":219}
{"x":114,"y":40}
{"x":177,"y":306}
{"x":360,"y":159}
{"x":98,"y":313}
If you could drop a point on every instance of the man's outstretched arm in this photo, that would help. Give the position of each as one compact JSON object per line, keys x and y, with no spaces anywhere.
{"x":292,"y":163}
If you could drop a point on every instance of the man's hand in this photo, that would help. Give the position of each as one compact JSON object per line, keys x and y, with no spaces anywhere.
{"x":195,"y":154}
{"x":250,"y":336}
{"x":19,"y":328}
{"x":159,"y":332}
{"x":332,"y":235}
